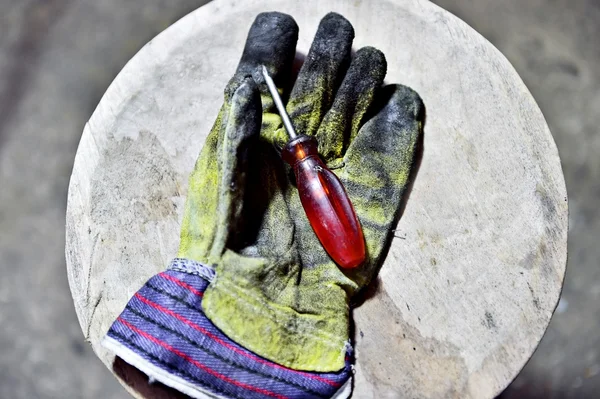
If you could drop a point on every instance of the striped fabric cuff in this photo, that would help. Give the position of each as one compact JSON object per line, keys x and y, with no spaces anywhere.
{"x":164,"y":333}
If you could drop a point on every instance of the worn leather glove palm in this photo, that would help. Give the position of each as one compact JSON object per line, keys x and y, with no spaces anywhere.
{"x":248,"y":258}
{"x":277,"y":292}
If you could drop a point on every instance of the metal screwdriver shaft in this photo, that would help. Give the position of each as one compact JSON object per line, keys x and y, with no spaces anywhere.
{"x":287,"y":123}
{"x":323,"y":197}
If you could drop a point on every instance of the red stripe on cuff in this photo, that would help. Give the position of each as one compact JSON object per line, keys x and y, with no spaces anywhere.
{"x":181,"y":284}
{"x":198,"y":364}
{"x":229,"y":346}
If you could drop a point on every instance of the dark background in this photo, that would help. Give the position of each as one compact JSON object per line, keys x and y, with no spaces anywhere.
{"x":57,"y":58}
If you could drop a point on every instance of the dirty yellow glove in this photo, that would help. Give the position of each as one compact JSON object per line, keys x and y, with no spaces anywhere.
{"x":276,"y":291}
{"x":253,"y":306}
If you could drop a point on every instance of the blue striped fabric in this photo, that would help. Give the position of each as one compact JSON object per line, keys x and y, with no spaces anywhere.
{"x":164,"y":325}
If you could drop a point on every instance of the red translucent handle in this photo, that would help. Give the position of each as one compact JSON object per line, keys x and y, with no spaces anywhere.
{"x":326,"y":203}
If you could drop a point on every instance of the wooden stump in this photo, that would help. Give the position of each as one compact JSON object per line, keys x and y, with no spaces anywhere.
{"x":467,"y":289}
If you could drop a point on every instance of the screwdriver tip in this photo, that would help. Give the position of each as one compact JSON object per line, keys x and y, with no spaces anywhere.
{"x":265,"y":73}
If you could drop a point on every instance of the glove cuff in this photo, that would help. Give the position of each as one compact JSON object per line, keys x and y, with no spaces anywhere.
{"x":164,"y":333}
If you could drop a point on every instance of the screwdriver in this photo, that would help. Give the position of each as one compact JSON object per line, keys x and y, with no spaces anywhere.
{"x":323,"y":197}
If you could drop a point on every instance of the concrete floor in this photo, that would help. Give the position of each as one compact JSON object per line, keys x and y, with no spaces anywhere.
{"x":58,"y":56}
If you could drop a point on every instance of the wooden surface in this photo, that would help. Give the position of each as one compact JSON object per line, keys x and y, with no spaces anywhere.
{"x":464,"y":296}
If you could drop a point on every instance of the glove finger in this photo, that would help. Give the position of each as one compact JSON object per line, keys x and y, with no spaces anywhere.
{"x":321,"y":73}
{"x":377,"y":168}
{"x":353,"y":99}
{"x":216,"y":186}
{"x":271,"y":42}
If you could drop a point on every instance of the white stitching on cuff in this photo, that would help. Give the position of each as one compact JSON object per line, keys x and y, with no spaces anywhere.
{"x":192,"y":267}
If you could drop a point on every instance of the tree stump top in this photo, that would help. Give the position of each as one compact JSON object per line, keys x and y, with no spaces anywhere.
{"x":470,"y":284}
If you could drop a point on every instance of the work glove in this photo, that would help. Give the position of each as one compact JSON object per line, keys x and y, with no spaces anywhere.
{"x":254,"y":306}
